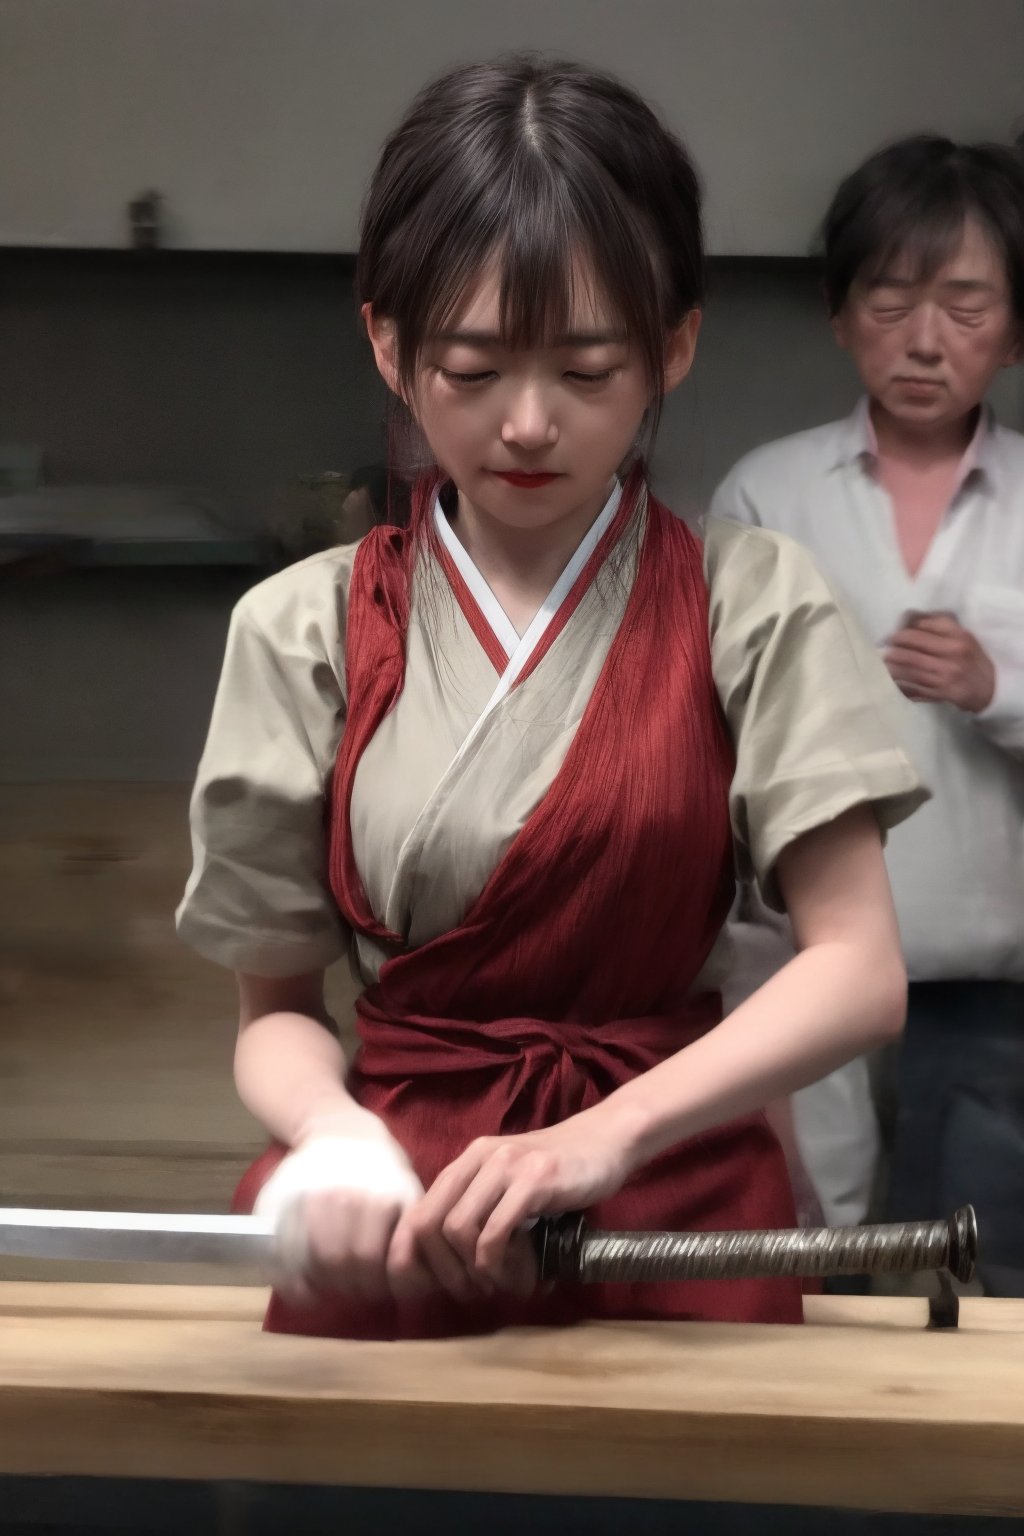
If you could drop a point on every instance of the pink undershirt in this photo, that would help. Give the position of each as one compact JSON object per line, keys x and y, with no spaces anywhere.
{"x":921,"y":497}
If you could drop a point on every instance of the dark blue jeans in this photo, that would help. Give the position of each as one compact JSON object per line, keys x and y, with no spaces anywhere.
{"x":958,"y":1136}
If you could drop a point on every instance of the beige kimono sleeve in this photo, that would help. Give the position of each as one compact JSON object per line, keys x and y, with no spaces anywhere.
{"x":258,"y":899}
{"x":813,"y":713}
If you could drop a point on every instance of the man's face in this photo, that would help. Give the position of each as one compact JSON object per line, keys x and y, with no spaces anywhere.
{"x":927,"y":351}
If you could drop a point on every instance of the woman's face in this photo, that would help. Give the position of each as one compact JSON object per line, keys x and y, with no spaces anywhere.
{"x":533,"y":437}
{"x":928,"y":351}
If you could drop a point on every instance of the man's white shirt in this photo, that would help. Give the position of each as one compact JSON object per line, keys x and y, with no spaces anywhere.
{"x":957,"y":865}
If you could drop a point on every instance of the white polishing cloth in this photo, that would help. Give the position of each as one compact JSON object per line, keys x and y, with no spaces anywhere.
{"x":339,"y":1163}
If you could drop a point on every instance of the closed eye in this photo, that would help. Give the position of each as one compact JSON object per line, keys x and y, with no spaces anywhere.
{"x":466,"y":378}
{"x":591,"y":378}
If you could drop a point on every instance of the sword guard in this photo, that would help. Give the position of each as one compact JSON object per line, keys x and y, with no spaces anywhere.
{"x":558,"y":1244}
{"x":963,"y":1243}
{"x":944,"y":1302}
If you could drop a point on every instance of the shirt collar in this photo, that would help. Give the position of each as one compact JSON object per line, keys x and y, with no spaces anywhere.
{"x":856,"y":436}
{"x":983,"y":449}
{"x":857,"y":442}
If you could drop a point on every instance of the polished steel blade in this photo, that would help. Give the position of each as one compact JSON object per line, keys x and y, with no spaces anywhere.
{"x":135,"y":1237}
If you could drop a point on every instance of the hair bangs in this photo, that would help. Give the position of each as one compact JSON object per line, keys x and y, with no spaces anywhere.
{"x":565,"y":263}
{"x":437,"y":272}
{"x":919,"y":242}
{"x":540,"y":263}
{"x":571,"y":263}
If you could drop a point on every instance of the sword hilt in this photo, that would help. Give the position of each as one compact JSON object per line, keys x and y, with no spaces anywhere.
{"x":568,"y":1251}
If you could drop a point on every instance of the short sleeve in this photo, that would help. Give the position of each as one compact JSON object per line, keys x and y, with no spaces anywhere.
{"x":258,"y":899}
{"x":814,"y":715}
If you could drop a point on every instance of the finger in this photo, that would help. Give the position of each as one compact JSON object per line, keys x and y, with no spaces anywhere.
{"x":408,"y":1277}
{"x":925,"y":644}
{"x":919,"y":691}
{"x":287,"y":1268}
{"x":301,"y":1277}
{"x":347,"y":1242}
{"x":330,"y":1220}
{"x":407,"y":1274}
{"x":939,"y":668}
{"x":448,"y":1269}
{"x":431,"y":1212}
{"x":467,"y":1218}
{"x":370,"y":1238}
{"x":937,"y":624}
{"x":433,"y":1206}
{"x":906,"y":665}
{"x":420,"y":1255}
{"x":918,"y":695}
{"x":521,"y":1273}
{"x":453,"y":1181}
{"x":520,"y":1202}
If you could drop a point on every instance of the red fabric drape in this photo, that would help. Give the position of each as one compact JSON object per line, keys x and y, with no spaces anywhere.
{"x":574,"y":969}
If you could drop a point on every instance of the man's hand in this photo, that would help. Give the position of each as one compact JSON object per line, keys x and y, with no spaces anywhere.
{"x":935,"y":660}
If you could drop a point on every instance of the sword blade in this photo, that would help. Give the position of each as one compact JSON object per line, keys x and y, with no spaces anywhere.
{"x":134,"y":1237}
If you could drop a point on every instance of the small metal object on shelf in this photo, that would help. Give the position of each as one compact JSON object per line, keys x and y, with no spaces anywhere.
{"x":145,"y":220}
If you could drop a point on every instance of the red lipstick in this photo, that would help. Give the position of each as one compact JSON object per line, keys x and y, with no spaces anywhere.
{"x":526,"y":482}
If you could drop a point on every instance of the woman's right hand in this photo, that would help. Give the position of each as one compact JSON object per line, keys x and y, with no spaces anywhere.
{"x":335,"y":1202}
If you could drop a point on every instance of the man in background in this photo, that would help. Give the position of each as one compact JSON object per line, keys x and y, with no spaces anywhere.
{"x":914,"y":509}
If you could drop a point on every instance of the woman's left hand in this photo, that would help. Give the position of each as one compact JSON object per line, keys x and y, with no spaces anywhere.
{"x":466,"y":1236}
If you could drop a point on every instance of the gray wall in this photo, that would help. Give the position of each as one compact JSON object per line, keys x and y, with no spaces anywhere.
{"x":260,"y":119}
{"x":234,"y":374}
{"x":109,"y":675}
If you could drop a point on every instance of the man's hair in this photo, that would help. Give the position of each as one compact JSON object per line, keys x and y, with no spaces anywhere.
{"x":910,"y":202}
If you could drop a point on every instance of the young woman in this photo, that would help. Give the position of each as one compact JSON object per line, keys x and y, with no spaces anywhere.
{"x":508,"y":757}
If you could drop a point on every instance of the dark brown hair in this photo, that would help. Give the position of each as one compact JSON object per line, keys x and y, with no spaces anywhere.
{"x":911,"y":199}
{"x":534,"y":164}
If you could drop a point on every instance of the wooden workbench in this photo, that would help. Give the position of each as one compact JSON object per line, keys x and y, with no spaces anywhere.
{"x":862,"y":1408}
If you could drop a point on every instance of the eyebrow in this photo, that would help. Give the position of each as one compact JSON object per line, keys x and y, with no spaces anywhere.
{"x":568,"y":339}
{"x":961,"y":284}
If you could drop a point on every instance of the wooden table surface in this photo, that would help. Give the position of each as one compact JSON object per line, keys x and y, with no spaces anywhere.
{"x":115,"y":1056}
{"x":862,"y":1408}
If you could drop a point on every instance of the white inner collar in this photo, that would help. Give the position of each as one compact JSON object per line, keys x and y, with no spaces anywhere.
{"x":520,"y":648}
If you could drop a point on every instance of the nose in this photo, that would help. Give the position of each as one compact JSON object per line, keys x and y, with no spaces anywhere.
{"x":924,"y":341}
{"x":528,"y":420}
